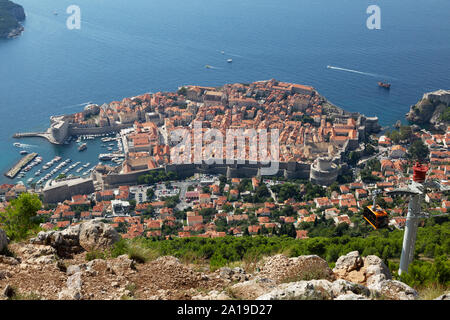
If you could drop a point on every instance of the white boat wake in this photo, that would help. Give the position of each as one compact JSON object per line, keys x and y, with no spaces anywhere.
{"x":24,"y":145}
{"x":354,"y":71}
{"x":76,"y":105}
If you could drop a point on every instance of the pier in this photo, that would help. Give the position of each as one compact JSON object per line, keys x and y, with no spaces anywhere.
{"x":45,"y":135}
{"x":19,"y":165}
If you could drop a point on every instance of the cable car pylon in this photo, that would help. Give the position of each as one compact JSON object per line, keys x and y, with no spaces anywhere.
{"x":416,"y":191}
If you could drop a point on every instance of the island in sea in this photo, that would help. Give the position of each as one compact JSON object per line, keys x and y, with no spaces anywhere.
{"x":12,"y":16}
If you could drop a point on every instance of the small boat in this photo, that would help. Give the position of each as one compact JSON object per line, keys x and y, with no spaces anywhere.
{"x":230,"y":60}
{"x":82,"y":147}
{"x":222,"y":52}
{"x":16,"y":144}
{"x":208,"y":66}
{"x":23,"y":152}
{"x":384,"y":85}
{"x":55,"y":13}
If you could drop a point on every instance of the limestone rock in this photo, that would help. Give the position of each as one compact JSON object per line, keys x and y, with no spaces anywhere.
{"x":8,"y":291}
{"x":344,"y":287}
{"x":394,"y":290}
{"x":368,"y":271}
{"x":445,"y":296}
{"x":301,"y":290}
{"x":96,"y":235}
{"x":74,"y":281}
{"x":71,"y":270}
{"x":235,"y":274}
{"x":91,"y":235}
{"x":11,"y":261}
{"x":4,"y":274}
{"x":351,"y":296}
{"x":3,"y":241}
{"x":282,"y":269}
{"x":250,"y":290}
{"x":351,"y":261}
{"x":121,"y":265}
{"x":65,"y":242}
{"x":69,"y":294}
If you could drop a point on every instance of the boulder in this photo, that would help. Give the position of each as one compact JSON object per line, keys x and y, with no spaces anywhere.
{"x":351,"y":261}
{"x":75,"y":281}
{"x":3,"y":241}
{"x":250,"y":290}
{"x":96,"y":235}
{"x":445,"y":296}
{"x":91,"y":235}
{"x":375,"y":266}
{"x":73,"y":290}
{"x":71,"y":270}
{"x":301,"y":290}
{"x":121,"y":265}
{"x":65,"y":242}
{"x":283,"y":269}
{"x":351,"y":296}
{"x":344,"y":287}
{"x":4,"y":274}
{"x":394,"y":290}
{"x":10,"y":261}
{"x":96,"y":266}
{"x":9,"y":291}
{"x":69,"y":294}
{"x":368,"y":271}
{"x":235,"y":274}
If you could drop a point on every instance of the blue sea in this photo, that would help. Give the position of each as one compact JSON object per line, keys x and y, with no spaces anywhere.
{"x":126,"y":48}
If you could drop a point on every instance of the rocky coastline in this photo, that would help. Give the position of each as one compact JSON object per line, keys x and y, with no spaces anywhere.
{"x":431,"y":111}
{"x":12,"y":16}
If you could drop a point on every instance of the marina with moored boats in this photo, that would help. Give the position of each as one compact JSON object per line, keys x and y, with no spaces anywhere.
{"x":68,"y":162}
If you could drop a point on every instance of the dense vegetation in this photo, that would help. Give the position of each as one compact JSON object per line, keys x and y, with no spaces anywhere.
{"x":157,"y":176}
{"x":431,"y":263}
{"x":19,"y":219}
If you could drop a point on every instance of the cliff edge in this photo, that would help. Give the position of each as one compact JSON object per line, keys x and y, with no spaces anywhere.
{"x":11,"y":17}
{"x":432,"y":110}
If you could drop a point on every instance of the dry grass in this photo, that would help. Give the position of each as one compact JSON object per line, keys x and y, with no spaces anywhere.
{"x":140,"y":254}
{"x":432,"y":292}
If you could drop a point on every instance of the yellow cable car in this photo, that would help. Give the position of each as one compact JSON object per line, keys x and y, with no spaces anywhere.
{"x":376,"y":216}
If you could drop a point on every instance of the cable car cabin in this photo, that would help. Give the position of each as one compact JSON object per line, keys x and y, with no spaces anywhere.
{"x":377,"y":218}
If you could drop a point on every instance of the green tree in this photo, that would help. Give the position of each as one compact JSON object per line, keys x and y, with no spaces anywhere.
{"x":418,"y":150}
{"x":19,"y":219}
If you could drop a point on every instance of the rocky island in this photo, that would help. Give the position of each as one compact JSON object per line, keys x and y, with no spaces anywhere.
{"x":11,"y":17}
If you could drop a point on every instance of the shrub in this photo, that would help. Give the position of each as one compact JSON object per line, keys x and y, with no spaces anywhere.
{"x":95,"y":254}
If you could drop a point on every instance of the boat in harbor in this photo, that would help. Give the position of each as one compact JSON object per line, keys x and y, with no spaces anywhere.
{"x":82,"y":147}
{"x":23,"y":152}
{"x":384,"y":85}
{"x":16,"y":144}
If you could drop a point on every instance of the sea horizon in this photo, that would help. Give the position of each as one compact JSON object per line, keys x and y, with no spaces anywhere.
{"x":52,"y":70}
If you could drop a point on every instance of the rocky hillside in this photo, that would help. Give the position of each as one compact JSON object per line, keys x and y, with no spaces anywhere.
{"x":433,"y":109}
{"x":11,"y":17}
{"x":54,"y":266}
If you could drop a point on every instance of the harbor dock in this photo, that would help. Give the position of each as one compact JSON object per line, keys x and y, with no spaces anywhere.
{"x":19,"y":165}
